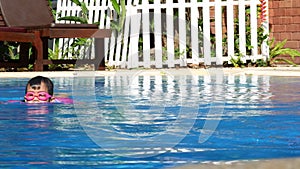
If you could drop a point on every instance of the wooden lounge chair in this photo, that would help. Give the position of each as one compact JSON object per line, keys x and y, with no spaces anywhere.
{"x":31,"y":21}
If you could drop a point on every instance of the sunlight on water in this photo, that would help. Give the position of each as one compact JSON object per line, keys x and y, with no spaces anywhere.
{"x":157,"y":121}
{"x":134,"y":111}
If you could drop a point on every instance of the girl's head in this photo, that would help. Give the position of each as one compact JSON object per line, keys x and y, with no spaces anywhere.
{"x":39,"y":90}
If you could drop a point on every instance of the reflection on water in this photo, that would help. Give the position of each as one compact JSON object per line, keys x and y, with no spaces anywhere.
{"x":156,"y":94}
{"x":285,"y":90}
{"x":260,"y":120}
{"x":137,"y":112}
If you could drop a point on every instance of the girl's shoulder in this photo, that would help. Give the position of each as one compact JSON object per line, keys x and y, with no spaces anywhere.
{"x":64,"y":100}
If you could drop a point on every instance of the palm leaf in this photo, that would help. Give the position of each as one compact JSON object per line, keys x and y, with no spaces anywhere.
{"x":275,"y":50}
{"x":77,"y":2}
{"x":84,"y":9}
{"x":116,"y":6}
{"x":284,"y":60}
{"x":287,"y":51}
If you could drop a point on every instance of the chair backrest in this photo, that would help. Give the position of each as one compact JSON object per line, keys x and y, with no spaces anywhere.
{"x":2,"y":22}
{"x":26,"y":13}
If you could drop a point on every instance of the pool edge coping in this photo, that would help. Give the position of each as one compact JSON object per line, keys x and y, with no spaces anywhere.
{"x":277,"y":163}
{"x":267,"y":71}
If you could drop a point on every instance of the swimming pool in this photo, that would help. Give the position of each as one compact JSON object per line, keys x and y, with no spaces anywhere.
{"x":125,"y":122}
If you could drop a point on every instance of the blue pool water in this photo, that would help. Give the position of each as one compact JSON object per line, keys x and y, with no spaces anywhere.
{"x":125,"y":122}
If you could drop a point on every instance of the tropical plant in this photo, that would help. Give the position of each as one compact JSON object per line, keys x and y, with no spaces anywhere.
{"x":53,"y":54}
{"x":277,"y":50}
{"x":237,"y":61}
{"x":121,"y":11}
{"x":83,"y":19}
{"x":10,"y":50}
{"x":52,"y":10}
{"x":261,"y":36}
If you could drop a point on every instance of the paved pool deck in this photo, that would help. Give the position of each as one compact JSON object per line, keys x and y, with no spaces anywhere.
{"x":272,"y":71}
{"x":288,"y":163}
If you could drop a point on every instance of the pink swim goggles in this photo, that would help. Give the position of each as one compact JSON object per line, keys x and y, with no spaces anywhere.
{"x":42,"y":96}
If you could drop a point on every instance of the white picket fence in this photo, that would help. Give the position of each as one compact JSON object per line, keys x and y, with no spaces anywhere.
{"x":168,"y":34}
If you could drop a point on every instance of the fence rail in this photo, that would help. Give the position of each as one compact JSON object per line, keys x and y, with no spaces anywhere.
{"x":169,"y":34}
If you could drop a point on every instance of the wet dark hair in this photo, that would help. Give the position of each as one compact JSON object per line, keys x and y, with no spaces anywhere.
{"x":38,"y":80}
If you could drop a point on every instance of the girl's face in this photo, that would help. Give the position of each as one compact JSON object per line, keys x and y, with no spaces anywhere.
{"x":37,"y":94}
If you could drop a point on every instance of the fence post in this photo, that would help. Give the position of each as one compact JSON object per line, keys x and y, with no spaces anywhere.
{"x":126,"y":36}
{"x":182,"y":32}
{"x":135,"y":24}
{"x":194,"y":31}
{"x":206,"y":32}
{"x":230,"y":30}
{"x":157,"y":34}
{"x":170,"y":34}
{"x":242,"y":29}
{"x":146,"y":33}
{"x":253,"y":25}
{"x":265,"y":24}
{"x":218,"y":31}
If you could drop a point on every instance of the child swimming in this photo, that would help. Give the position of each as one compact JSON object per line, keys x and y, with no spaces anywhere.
{"x":39,"y":89}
